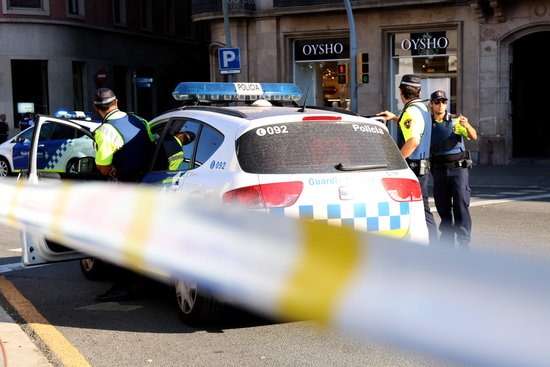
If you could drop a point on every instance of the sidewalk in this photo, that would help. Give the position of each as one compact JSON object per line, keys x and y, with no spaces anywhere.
{"x":535,"y":175}
{"x":20,"y":351}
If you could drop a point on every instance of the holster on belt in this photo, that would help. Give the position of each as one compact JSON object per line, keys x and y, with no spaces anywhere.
{"x":420,"y":167}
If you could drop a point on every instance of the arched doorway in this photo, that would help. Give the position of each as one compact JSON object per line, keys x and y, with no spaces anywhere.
{"x":529,"y":85}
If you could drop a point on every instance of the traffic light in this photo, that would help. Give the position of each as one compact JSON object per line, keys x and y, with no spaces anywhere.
{"x":363,"y":67}
{"x":343,"y":76}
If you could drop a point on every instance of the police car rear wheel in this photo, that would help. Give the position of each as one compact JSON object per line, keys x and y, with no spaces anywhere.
{"x":4,"y":168}
{"x":196,"y":308}
{"x":94,"y":269}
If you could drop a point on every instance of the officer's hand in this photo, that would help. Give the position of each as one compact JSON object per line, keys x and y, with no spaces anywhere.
{"x":463,"y":120}
{"x":387,"y":115}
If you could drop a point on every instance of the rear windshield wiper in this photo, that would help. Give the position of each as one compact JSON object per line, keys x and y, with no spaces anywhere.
{"x":359,"y":167}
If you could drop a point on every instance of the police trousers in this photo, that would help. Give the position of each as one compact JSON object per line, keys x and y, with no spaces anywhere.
{"x":452,"y":195}
{"x":430,"y":221}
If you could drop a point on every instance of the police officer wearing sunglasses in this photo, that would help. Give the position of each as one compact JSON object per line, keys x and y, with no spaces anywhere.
{"x":450,"y":166}
{"x":414,"y":139}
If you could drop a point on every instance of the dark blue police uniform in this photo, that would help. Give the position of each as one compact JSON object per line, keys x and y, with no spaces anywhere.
{"x":450,"y":166}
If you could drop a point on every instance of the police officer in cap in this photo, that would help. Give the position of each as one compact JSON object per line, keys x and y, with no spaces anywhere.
{"x":124,"y":142}
{"x":451,"y":163}
{"x":413,"y":139}
{"x":124,"y":150}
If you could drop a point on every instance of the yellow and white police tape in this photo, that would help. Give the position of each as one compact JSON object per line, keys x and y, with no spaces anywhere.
{"x":479,"y":309}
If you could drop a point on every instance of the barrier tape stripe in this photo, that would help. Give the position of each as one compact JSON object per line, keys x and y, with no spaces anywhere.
{"x":12,"y":204}
{"x":59,"y":210}
{"x":477,"y":309}
{"x":305,"y":295}
{"x":140,"y":229}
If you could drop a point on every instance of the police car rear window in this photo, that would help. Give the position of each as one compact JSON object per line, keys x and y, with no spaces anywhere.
{"x":316,"y":147}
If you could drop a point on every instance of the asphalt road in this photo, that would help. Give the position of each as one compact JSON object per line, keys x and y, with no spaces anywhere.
{"x":148,"y":332}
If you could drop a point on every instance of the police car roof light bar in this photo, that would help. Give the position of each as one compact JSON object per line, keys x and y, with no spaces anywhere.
{"x":227,"y":92}
{"x":73,"y":114}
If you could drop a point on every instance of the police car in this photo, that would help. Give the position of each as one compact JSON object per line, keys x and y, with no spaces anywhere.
{"x":60,"y":146}
{"x":269,"y":154}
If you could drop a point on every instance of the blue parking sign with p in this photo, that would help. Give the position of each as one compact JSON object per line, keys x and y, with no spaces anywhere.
{"x":230,"y":62}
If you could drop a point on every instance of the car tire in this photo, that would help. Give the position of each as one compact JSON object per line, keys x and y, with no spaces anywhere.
{"x":72,"y":166}
{"x":196,"y":307}
{"x":95,"y":269}
{"x":4,"y":167}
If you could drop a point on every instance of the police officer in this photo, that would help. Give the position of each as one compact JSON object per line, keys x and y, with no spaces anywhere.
{"x":124,"y":142}
{"x":4,"y":128}
{"x":173,"y":144}
{"x":451,"y":163}
{"x":413,"y":139}
{"x":124,"y":150}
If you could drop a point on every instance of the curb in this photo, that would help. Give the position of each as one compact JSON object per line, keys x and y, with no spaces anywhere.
{"x":18,"y":350}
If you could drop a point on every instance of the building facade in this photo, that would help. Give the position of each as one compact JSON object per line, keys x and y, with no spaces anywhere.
{"x":55,"y":53}
{"x":487,"y":55}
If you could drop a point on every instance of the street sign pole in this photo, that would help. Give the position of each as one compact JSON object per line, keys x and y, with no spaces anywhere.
{"x":353,"y":57}
{"x":230,"y":77}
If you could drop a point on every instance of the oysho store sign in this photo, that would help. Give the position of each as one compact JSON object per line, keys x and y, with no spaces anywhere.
{"x":425,"y":43}
{"x":321,"y":49}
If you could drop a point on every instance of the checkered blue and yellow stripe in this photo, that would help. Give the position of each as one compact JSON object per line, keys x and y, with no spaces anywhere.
{"x":391,"y":218}
{"x":52,"y":163}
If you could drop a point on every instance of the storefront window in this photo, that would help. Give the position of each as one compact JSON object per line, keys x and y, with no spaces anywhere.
{"x":431,"y":55}
{"x":316,"y":64}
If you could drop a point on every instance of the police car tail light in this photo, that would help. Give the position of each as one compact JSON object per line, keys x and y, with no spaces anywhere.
{"x":402,"y":189}
{"x":274,"y":195}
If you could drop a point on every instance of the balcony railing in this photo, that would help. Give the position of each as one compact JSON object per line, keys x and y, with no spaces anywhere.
{"x":213,"y":6}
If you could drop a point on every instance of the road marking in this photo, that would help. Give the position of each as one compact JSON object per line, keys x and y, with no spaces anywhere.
{"x":15,"y":249}
{"x":109,"y":306}
{"x":52,"y":338}
{"x":504,"y":200}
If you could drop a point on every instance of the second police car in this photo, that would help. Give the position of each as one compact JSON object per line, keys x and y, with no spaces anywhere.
{"x":309,"y":162}
{"x":14,"y":153}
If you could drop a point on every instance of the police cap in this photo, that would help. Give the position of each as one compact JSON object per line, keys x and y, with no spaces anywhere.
{"x":411,"y":80}
{"x":104,"y":96}
{"x":438,"y":94}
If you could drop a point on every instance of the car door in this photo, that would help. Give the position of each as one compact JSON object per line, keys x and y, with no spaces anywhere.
{"x":169,"y":176}
{"x":59,"y":149}
{"x":20,"y":152}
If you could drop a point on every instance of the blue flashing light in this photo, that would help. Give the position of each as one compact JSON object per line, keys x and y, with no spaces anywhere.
{"x":73,"y":114}
{"x":227,"y":92}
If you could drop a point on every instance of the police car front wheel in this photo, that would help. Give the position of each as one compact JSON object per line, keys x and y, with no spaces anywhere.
{"x":196,"y":307}
{"x":4,"y":168}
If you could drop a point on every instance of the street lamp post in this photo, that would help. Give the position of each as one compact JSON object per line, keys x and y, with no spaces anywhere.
{"x":353,"y":57}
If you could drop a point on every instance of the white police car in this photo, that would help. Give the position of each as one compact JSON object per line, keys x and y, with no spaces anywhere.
{"x":60,"y":146}
{"x":308,"y":162}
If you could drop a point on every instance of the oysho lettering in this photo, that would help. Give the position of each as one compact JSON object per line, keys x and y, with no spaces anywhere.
{"x":424,"y":43}
{"x":323,"y":49}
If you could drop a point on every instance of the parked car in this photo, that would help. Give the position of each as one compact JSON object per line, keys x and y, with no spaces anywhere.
{"x":60,"y":145}
{"x":315,"y":163}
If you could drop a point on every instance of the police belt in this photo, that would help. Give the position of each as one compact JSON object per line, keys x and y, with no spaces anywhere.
{"x":463,"y":163}
{"x":416,"y":163}
{"x":420,"y":167}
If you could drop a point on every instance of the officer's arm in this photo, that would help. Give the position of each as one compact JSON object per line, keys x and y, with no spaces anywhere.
{"x":409,"y":146}
{"x":107,"y":170}
{"x":388,"y":115}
